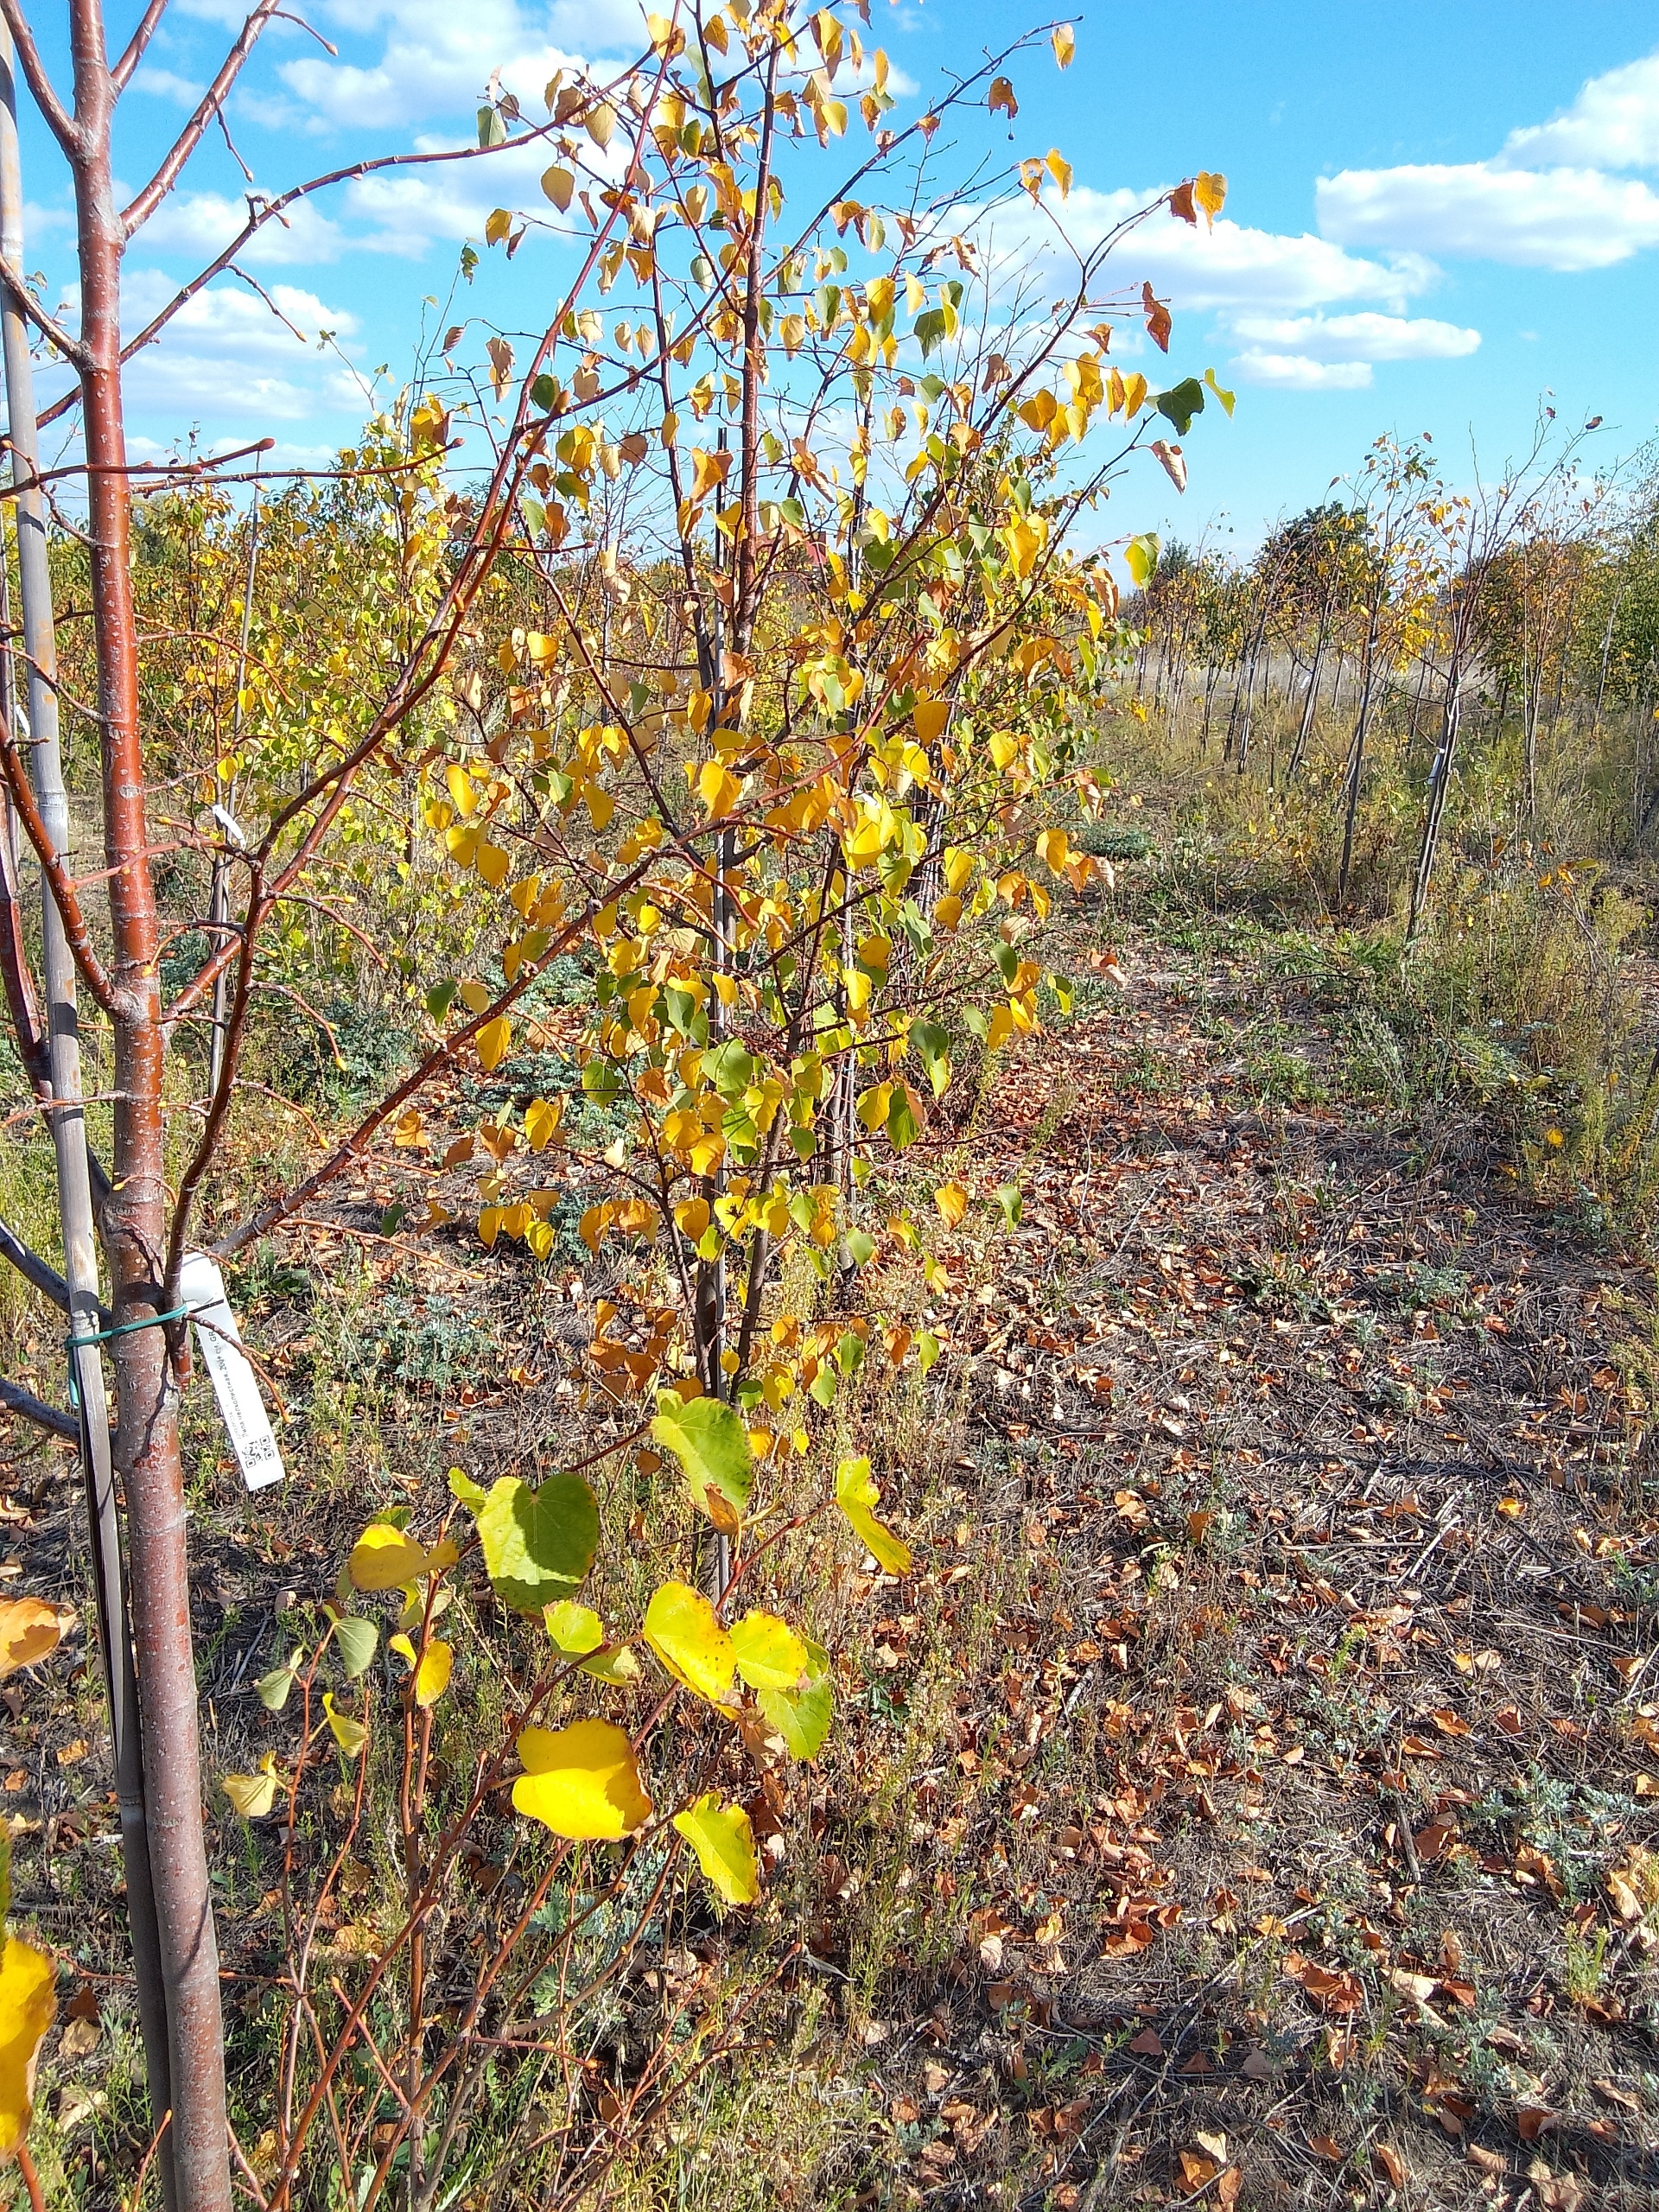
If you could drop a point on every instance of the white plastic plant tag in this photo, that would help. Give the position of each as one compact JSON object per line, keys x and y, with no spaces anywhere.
{"x":202,"y":1287}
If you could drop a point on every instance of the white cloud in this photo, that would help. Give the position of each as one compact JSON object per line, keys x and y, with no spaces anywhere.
{"x":200,"y":224}
{"x":166,"y":83}
{"x":1298,"y":372}
{"x":1233,"y":266}
{"x":439,"y":56}
{"x":411,"y":208}
{"x":1342,"y":338}
{"x":227,"y":354}
{"x":231,"y":361}
{"x":228,"y":316}
{"x":1546,"y":219}
{"x":1613,"y":125}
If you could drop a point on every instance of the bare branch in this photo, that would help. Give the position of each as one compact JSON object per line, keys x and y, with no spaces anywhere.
{"x":63,"y":127}
{"x":17,"y":1400}
{"x":45,"y":1277}
{"x":92,"y":970}
{"x":121,"y":74}
{"x":139,"y":211}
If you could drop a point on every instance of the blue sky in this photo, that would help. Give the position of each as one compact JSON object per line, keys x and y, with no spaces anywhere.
{"x":1434,"y":212}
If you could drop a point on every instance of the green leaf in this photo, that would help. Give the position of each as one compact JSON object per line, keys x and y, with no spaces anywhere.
{"x":273,"y":1689}
{"x":802,"y":1716}
{"x":930,"y":1042}
{"x":770,"y":1655}
{"x":356,"y":1641}
{"x":543,"y":394}
{"x":1013,"y":1205}
{"x":730,"y":1068}
{"x":855,"y":1494}
{"x":1181,"y":404}
{"x":859,"y":1245}
{"x":681,"y":1628}
{"x":538,"y":1544}
{"x":927,"y":1351}
{"x":724,"y":1842}
{"x":439,"y":1000}
{"x":711,"y":1444}
{"x":492,"y":131}
{"x":903,"y":1128}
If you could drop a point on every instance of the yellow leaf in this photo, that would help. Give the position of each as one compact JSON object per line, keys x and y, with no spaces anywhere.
{"x":1061,"y":169}
{"x":581,"y":1782}
{"x":1135,"y":393}
{"x":1064,"y":43}
{"x":952,"y":1202}
{"x":692,"y":1215}
{"x":253,"y":1795}
{"x":947,"y":911}
{"x":770,"y":1655}
{"x":929,"y":718}
{"x":724,"y":1842}
{"x":558,"y":184}
{"x":492,"y":864}
{"x":30,"y":1627}
{"x":432,"y":1676}
{"x":384,"y":1558}
{"x":350,"y":1735}
{"x":492,"y":1041}
{"x":28,"y":2005}
{"x":681,"y":1628}
{"x":718,"y":788}
{"x":855,"y":1494}
{"x":497,"y":225}
{"x":708,"y":471}
{"x":1209,"y":190}
{"x":542,"y":1119}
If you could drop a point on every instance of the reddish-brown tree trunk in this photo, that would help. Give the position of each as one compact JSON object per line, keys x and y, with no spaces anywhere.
{"x":147,"y":1457}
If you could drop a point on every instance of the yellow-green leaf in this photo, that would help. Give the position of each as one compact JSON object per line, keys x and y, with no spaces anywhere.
{"x":681,"y":1628}
{"x":855,"y":1494}
{"x":802,"y":1716}
{"x":384,"y":1558}
{"x":710,"y":1442}
{"x":724,"y":1842}
{"x":28,"y":2005}
{"x":575,"y":1629}
{"x":253,"y":1795}
{"x":770,"y":1655}
{"x":1228,"y":399}
{"x":581,"y":1782}
{"x":350,"y":1735}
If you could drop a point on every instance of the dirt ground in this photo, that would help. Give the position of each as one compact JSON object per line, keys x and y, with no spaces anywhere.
{"x":1253,"y":1796}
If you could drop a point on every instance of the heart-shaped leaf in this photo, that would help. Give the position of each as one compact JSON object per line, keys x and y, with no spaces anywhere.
{"x":581,"y":1782}
{"x":724,"y":1842}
